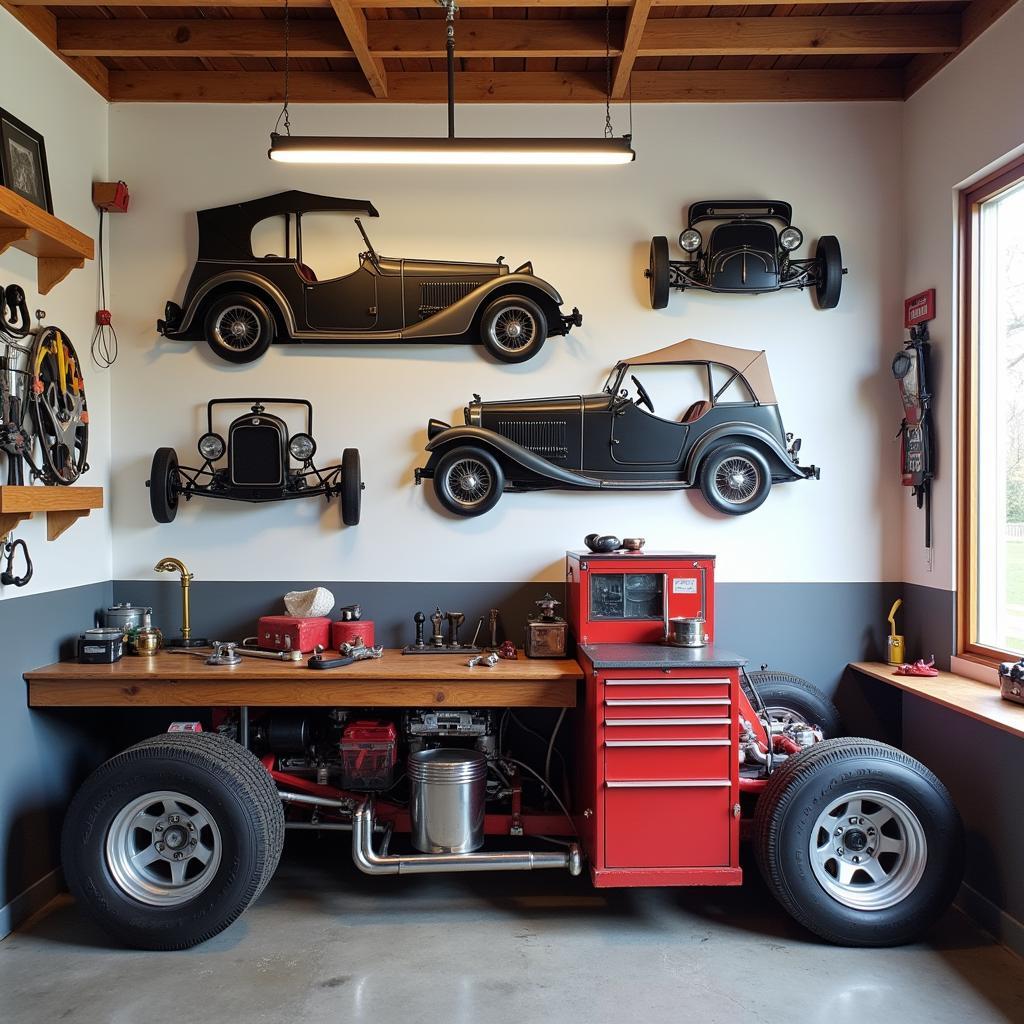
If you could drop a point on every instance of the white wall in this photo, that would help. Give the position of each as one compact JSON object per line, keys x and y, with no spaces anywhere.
{"x":965,"y":120}
{"x":588,"y":232}
{"x":48,"y":96}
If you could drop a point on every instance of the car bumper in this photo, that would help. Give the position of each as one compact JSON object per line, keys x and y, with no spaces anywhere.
{"x":171,"y":321}
{"x":571,"y":320}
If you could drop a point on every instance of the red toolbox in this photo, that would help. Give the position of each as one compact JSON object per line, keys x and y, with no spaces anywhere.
{"x":288,"y":633}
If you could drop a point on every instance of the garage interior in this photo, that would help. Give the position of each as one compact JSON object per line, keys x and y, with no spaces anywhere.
{"x":616,"y":688}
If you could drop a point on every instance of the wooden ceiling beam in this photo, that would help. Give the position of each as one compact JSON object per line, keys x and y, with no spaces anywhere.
{"x":353,"y":21}
{"x":597,"y":5}
{"x":506,"y":87}
{"x":515,"y":38}
{"x":636,"y":23}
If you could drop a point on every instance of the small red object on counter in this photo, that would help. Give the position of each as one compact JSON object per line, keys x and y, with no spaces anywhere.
{"x":348,"y":631}
{"x":289,"y":633}
{"x":508,"y":651}
{"x":918,"y":668}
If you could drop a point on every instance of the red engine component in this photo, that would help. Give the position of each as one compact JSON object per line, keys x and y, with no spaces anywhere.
{"x":351,"y":630}
{"x":369,"y":752}
{"x":288,"y":633}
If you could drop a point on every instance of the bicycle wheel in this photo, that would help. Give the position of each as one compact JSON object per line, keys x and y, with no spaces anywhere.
{"x":60,"y":415}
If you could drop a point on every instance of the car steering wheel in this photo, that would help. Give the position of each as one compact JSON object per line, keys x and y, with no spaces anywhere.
{"x":642,"y":398}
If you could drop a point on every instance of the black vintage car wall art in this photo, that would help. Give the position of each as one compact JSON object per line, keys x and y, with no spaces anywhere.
{"x":730,"y":442}
{"x":750,"y":248}
{"x":260,"y":461}
{"x":240,"y":303}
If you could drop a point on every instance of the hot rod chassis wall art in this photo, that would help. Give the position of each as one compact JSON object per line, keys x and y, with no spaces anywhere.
{"x":240,"y":303}
{"x":732,"y":450}
{"x":750,"y":249}
{"x":262,"y":462}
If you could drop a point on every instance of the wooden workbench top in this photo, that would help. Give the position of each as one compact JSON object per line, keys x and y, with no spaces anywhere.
{"x":425,"y":680}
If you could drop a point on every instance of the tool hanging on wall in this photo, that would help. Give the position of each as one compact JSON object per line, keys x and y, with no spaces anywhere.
{"x":8,"y":577}
{"x":107,"y":197}
{"x":911,"y":368}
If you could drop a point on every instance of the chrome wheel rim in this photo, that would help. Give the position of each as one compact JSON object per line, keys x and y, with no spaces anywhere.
{"x":868,"y":850}
{"x":468,"y":482}
{"x":513,"y":329}
{"x":237,"y":328}
{"x":163,"y":848}
{"x":737,"y":479}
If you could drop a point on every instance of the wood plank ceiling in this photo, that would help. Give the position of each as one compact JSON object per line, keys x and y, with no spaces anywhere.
{"x":524,"y":51}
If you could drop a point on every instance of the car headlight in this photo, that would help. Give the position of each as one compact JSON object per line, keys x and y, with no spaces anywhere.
{"x":302,"y":447}
{"x":791,"y":238}
{"x":690,"y":240}
{"x":211,"y":447}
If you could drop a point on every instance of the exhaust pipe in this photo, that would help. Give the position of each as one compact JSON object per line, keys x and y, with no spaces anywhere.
{"x":372,"y":863}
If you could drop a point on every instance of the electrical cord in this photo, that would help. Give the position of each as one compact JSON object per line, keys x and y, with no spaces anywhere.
{"x":764,"y":718}
{"x":104,"y":337}
{"x":539,"y":778}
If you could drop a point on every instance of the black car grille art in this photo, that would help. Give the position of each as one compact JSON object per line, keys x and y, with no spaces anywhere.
{"x":438,"y":295}
{"x":545,"y":437}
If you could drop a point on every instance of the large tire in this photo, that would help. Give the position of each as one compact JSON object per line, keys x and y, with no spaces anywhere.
{"x":721,"y":484}
{"x":830,"y":272}
{"x":859,"y":842}
{"x":513,"y":328}
{"x":200,"y":794}
{"x":468,"y":481}
{"x":164,"y":485}
{"x":351,"y":487}
{"x":239,"y":328}
{"x":658,"y":272}
{"x":789,"y":698}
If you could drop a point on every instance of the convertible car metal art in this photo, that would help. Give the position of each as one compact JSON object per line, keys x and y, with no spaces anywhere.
{"x":750,"y":249}
{"x":733,"y":450}
{"x":264,"y":463}
{"x":240,"y":303}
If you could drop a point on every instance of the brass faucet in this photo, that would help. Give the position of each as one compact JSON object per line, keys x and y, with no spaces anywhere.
{"x":178,"y":566}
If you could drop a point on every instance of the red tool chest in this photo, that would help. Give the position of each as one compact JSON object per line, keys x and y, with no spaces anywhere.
{"x":628,"y":597}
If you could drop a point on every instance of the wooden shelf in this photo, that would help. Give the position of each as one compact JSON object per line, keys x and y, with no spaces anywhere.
{"x":58,"y":247}
{"x":977,"y":700}
{"x":63,"y":506}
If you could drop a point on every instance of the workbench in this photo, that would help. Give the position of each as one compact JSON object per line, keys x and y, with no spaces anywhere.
{"x":395,"y":680}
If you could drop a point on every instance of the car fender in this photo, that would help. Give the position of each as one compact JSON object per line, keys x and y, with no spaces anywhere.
{"x":509,"y":451}
{"x":457,"y":319}
{"x":243,"y":277}
{"x":739,"y":431}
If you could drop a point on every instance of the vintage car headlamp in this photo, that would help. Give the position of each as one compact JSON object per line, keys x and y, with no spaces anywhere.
{"x":302,"y":447}
{"x":211,"y":447}
{"x":690,"y":240}
{"x":791,"y":238}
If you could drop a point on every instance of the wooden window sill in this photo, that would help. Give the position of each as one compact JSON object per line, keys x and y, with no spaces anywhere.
{"x":979,"y":701}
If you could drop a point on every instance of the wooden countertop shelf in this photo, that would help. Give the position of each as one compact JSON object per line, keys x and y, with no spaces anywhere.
{"x":977,"y":700}
{"x":58,"y":247}
{"x":63,"y":506}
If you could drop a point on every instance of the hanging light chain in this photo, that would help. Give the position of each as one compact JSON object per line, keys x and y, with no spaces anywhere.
{"x":287,"y":69}
{"x":608,"y":130}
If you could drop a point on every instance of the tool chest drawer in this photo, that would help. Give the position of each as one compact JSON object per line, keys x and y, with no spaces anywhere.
{"x":650,"y":760}
{"x":632,"y":689}
{"x":667,"y":707}
{"x":667,"y":824}
{"x":667,"y":729}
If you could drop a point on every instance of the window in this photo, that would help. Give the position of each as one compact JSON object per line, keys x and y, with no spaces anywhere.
{"x":992,"y":427}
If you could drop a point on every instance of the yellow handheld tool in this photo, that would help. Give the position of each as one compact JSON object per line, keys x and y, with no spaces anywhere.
{"x":896,"y":643}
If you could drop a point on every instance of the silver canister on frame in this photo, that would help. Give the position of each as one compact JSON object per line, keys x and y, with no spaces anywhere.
{"x":449,"y":786}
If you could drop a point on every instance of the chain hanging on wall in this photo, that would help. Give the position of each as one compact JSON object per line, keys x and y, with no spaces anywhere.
{"x":283,"y":116}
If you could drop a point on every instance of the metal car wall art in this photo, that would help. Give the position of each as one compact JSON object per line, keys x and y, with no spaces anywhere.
{"x":732,"y":450}
{"x":240,"y":303}
{"x":750,"y":248}
{"x":260,"y":461}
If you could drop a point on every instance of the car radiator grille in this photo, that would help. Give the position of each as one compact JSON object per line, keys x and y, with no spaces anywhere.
{"x":545,"y":437}
{"x":438,"y":295}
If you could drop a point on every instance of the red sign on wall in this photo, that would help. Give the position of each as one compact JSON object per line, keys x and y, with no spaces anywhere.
{"x":919,"y":308}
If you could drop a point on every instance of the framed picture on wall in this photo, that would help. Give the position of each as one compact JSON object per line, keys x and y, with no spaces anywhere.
{"x":23,"y":161}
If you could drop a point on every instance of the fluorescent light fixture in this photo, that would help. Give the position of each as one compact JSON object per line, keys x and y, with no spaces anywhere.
{"x":310,"y":149}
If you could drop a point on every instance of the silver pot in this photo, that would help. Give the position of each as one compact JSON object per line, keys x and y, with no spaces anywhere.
{"x":684,"y":632}
{"x":124,"y":617}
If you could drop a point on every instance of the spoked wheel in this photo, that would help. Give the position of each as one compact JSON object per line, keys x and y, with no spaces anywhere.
{"x":658,"y":272}
{"x":167,"y":843}
{"x":859,"y":842}
{"x":830,"y":272}
{"x":60,"y":415}
{"x":351,"y":487}
{"x":513,"y":328}
{"x":164,"y":485}
{"x":790,"y":700}
{"x":468,"y":481}
{"x":735,"y":479}
{"x":239,"y":328}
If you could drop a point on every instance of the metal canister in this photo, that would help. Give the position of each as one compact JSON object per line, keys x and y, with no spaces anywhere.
{"x":448,"y":789}
{"x":687,"y":632}
{"x":124,"y":617}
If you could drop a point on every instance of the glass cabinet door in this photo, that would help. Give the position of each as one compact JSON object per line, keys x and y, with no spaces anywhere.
{"x":630,"y":595}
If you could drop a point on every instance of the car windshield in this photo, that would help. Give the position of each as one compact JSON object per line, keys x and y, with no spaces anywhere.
{"x":671,"y":387}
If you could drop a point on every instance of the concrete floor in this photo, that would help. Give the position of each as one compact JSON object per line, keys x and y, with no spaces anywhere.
{"x":328,"y":944}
